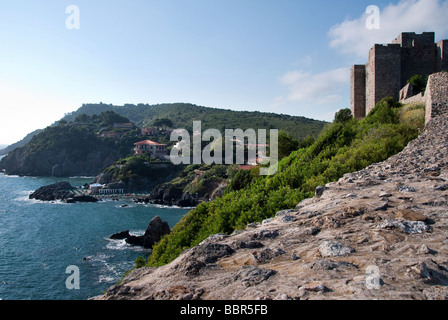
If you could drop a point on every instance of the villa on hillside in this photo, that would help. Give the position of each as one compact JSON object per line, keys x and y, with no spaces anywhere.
{"x":151,"y":148}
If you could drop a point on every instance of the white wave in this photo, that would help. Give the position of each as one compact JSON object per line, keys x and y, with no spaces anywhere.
{"x":124,"y":206}
{"x":102,"y":258}
{"x":137,"y":232}
{"x":27,"y":200}
{"x":162,"y":206}
{"x":82,"y":177}
{"x":10,"y":176}
{"x":107,"y":279}
{"x":114,"y":244}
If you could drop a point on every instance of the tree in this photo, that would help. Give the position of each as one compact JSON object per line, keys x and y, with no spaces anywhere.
{"x":108,"y":118}
{"x":306,"y":142}
{"x":82,"y":118}
{"x":418,"y":83}
{"x":343,"y":115}
{"x":164,"y":123}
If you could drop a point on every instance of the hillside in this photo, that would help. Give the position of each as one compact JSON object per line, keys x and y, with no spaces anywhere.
{"x":378,"y":232}
{"x":182,"y":115}
{"x":69,"y":149}
{"x":74,"y":146}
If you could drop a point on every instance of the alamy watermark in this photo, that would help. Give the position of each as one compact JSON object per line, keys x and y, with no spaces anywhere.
{"x":73,"y":280}
{"x":373,"y":277}
{"x":256,"y":147}
{"x":73,"y":21}
{"x":373,"y":21}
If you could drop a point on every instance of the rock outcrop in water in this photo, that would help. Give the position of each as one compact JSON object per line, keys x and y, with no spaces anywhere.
{"x":155,"y":231}
{"x":57,"y":191}
{"x":60,"y":191}
{"x":380,"y":233}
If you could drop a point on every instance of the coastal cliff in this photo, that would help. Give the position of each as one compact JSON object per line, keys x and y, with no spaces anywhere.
{"x":378,"y":233}
{"x":63,"y":150}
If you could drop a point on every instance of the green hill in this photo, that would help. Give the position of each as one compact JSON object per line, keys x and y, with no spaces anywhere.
{"x":182,"y":116}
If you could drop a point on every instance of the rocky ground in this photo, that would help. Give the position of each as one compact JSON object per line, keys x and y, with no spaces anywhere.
{"x":380,"y":233}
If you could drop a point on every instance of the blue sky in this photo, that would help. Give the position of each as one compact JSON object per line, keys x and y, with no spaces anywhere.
{"x":283,"y":56}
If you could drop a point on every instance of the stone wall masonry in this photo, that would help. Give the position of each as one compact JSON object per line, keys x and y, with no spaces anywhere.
{"x":407,"y":92}
{"x":436,"y":95}
{"x":358,"y":91}
{"x":418,"y":98}
{"x":420,"y":59}
{"x":408,"y":39}
{"x":442,"y":55}
{"x":383,"y":74}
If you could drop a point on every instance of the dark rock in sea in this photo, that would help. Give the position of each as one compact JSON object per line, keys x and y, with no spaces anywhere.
{"x":57,"y":191}
{"x":155,"y":231}
{"x":81,"y":199}
{"x":60,"y":191}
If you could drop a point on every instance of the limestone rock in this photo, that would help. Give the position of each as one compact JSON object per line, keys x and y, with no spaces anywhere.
{"x":252,"y":276}
{"x":334,"y":249}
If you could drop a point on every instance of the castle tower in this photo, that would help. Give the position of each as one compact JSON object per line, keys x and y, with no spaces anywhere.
{"x":383,"y":74}
{"x":358,"y":91}
{"x":418,"y":55}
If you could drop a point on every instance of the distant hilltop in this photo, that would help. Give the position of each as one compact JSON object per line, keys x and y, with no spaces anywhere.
{"x":390,"y":67}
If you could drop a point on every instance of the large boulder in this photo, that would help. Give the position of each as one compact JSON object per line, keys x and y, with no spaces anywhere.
{"x":82,"y":198}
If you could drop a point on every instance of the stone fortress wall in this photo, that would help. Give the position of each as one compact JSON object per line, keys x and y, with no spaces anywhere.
{"x":436,"y":96}
{"x":390,"y":66}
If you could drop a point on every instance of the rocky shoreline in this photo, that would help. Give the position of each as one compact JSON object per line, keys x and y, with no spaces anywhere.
{"x":379,"y":233}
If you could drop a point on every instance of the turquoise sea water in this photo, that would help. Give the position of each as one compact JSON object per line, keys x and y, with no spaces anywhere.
{"x":39,"y":240}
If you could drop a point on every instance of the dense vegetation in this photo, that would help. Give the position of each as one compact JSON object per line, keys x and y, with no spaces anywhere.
{"x":80,"y":138}
{"x":182,"y":115}
{"x":72,"y":148}
{"x":139,"y":173}
{"x":345,"y":146}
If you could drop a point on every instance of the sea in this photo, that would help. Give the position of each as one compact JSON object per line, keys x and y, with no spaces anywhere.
{"x":46,"y":247}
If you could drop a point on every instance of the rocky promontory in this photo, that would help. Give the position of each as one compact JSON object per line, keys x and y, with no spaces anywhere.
{"x":379,"y":233}
{"x":62,"y":191}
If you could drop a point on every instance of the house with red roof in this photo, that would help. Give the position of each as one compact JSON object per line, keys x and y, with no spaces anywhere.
{"x":151,"y":148}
